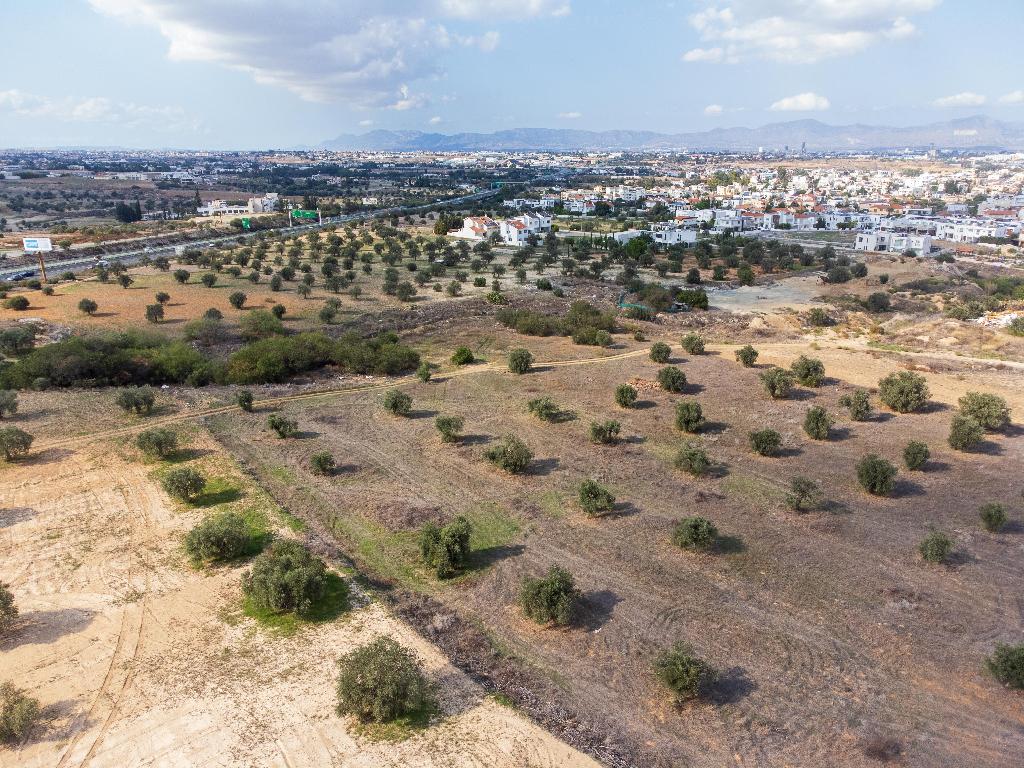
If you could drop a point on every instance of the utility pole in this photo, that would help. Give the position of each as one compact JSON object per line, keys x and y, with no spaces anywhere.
{"x":42,"y":266}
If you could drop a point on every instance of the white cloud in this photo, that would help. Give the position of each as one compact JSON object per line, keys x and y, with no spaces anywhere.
{"x":96,"y":109}
{"x":802,"y":102}
{"x":364,"y":52}
{"x":366,"y":123}
{"x":435,"y":120}
{"x":799,"y":31}
{"x":965,"y":99}
{"x":1013,"y":97}
{"x":713,"y":109}
{"x":570,"y":115}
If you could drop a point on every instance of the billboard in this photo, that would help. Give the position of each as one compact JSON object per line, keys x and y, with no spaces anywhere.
{"x":36,"y":244}
{"x":299,"y":213}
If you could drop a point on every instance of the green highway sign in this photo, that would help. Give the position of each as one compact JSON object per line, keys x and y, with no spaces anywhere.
{"x":246,"y":223}
{"x":299,"y":213}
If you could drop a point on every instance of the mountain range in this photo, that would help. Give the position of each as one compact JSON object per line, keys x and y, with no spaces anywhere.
{"x":977,"y":132}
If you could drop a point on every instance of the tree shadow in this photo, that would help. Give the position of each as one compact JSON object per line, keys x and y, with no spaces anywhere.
{"x":644,"y":405}
{"x":50,"y":456}
{"x":906,"y":488}
{"x":1012,"y":527}
{"x":933,"y":406}
{"x":787,"y":453}
{"x":833,"y":507}
{"x":713,"y":427}
{"x":475,"y":439}
{"x":692,"y":388}
{"x":932,"y":465}
{"x":213,"y":498}
{"x":421,"y":414}
{"x":542,"y":467}
{"x":731,"y":686}
{"x":487,"y":556}
{"x":987,"y":448}
{"x":45,"y":627}
{"x":564,"y":416}
{"x":12,"y":515}
{"x":727,"y":544}
{"x":621,"y":509}
{"x":633,"y":440}
{"x":838,"y":434}
{"x":1013,"y":430}
{"x":801,"y":394}
{"x":959,"y":558}
{"x":306,"y":434}
{"x":880,"y":417}
{"x":596,"y":609}
{"x":186,"y":454}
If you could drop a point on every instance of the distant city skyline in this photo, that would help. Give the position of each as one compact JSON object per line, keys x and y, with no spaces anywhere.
{"x":252,"y":74}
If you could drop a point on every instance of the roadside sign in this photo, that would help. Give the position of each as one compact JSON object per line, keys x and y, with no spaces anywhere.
{"x":246,"y":223}
{"x":36,"y":244}
{"x":300,"y":213}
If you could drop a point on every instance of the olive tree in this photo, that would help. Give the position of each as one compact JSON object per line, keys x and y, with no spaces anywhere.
{"x":904,"y":391}
{"x":693,"y":459}
{"x":551,"y":599}
{"x":765,"y":442}
{"x":672,"y":379}
{"x":509,"y":453}
{"x":693,"y":344}
{"x":158,"y":442}
{"x":595,"y":498}
{"x":993,"y":516}
{"x":184,"y":483}
{"x":286,"y":578}
{"x":804,"y":495}
{"x":808,"y":371}
{"x":746,"y":356}
{"x":965,"y":432}
{"x":817,"y":423}
{"x":625,"y":395}
{"x":446,"y":549}
{"x":8,"y":609}
{"x":8,"y":402}
{"x":935,"y":547}
{"x":684,"y":673}
{"x":777,"y":382}
{"x":14,"y":442}
{"x":916,"y":455}
{"x":694,"y":533}
{"x":282,"y":425}
{"x":1007,"y":665}
{"x":876,"y":475}
{"x":605,"y":432}
{"x":139,"y":400}
{"x":520,"y":361}
{"x":219,"y":537}
{"x":381,"y":682}
{"x":19,"y":714}
{"x":449,"y":427}
{"x":858,"y":404}
{"x":990,"y":411}
{"x":660,"y":352}
{"x":689,"y":416}
{"x":397,"y":403}
{"x":322,"y":463}
{"x":544,"y":408}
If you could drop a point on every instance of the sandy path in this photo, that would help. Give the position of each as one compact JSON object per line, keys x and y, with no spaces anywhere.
{"x":145,"y":662}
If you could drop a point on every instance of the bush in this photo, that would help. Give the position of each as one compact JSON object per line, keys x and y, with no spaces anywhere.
{"x":988,"y":410}
{"x":625,"y":395}
{"x":19,"y":714}
{"x":818,"y":318}
{"x":903,"y":391}
{"x":14,"y":442}
{"x":1016,"y":327}
{"x":510,"y":453}
{"x":446,"y":549}
{"x":858,"y":404}
{"x":817,"y":423}
{"x":381,"y":682}
{"x":804,"y":495}
{"x":424,"y":372}
{"x":808,"y":371}
{"x":544,"y":408}
{"x":184,"y":483}
{"x":260,"y":324}
{"x":660,"y":352}
{"x":878,"y":302}
{"x":765,"y":442}
{"x":286,"y":578}
{"x":876,"y":475}
{"x":17,"y":303}
{"x":322,"y":463}
{"x":157,"y":442}
{"x":244,"y":399}
{"x":162,"y":297}
{"x":397,"y":403}
{"x":88,"y":306}
{"x":17,"y":340}
{"x":8,"y":402}
{"x":916,"y":455}
{"x":1007,"y":665}
{"x":683,"y":672}
{"x":993,"y":516}
{"x":282,"y":425}
{"x":689,"y":416}
{"x":213,"y":314}
{"x":136,"y":399}
{"x":777,"y":382}
{"x":694,"y":533}
{"x":181,"y":275}
{"x":965,"y":433}
{"x":935,"y":547}
{"x":693,"y":344}
{"x":551,"y":599}
{"x":672,"y":379}
{"x":278,"y":310}
{"x":449,"y":427}
{"x":520,"y":361}
{"x":605,"y":432}
{"x":746,"y":356}
{"x":224,"y":536}
{"x":237,"y":299}
{"x":209,"y":279}
{"x":692,"y":458}
{"x":8,"y":609}
{"x":463,"y":356}
{"x":154,"y":313}
{"x":595,"y":498}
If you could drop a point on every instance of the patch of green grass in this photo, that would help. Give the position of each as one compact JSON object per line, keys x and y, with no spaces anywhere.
{"x":334,"y":603}
{"x":753,"y":489}
{"x":282,"y":474}
{"x":551,"y":503}
{"x":505,"y":701}
{"x":399,"y":729}
{"x":887,"y":347}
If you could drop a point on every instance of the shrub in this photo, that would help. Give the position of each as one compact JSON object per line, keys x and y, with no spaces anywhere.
{"x":672,"y":379}
{"x":595,"y":498}
{"x":224,"y":536}
{"x":449,"y":427}
{"x":209,"y":279}
{"x":510,"y":453}
{"x":604,"y":432}
{"x":260,"y":324}
{"x":286,"y":578}
{"x":817,"y":423}
{"x":1007,"y":665}
{"x":244,"y":399}
{"x":935,"y":547}
{"x":322,"y":463}
{"x":14,"y":442}
{"x":8,"y":402}
{"x":818,"y":318}
{"x":765,"y":442}
{"x":424,"y":372}
{"x":804,"y":495}
{"x":693,"y":344}
{"x":551,"y":599}
{"x":660,"y":352}
{"x":181,"y":275}
{"x":683,"y":672}
{"x":184,"y":483}
{"x":694,"y":533}
{"x":157,"y":442}
{"x":878,"y":302}
{"x":689,"y":416}
{"x":625,"y":395}
{"x":903,"y":391}
{"x":808,"y":371}
{"x":988,"y":410}
{"x":397,"y":403}
{"x":154,"y":313}
{"x":965,"y":432}
{"x":278,"y":310}
{"x":544,"y":408}
{"x":693,"y":459}
{"x":17,"y":303}
{"x":746,"y":356}
{"x":381,"y":682}
{"x":446,"y":549}
{"x":88,"y":306}
{"x":136,"y":399}
{"x":213,"y":314}
{"x":876,"y":475}
{"x":17,"y":340}
{"x":777,"y":382}
{"x":8,"y":609}
{"x":282,"y":425}
{"x":237,"y":299}
{"x":858,"y":404}
{"x":162,"y":297}
{"x":520,"y":361}
{"x":993,"y":516}
{"x":916,"y":455}
{"x":19,"y":714}
{"x":463,"y":356}
{"x":601,"y":338}
{"x":1016,"y":327}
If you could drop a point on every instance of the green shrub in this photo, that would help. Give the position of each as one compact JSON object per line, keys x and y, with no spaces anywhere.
{"x":689,"y":416}
{"x":381,"y":682}
{"x":282,"y":425}
{"x":808,"y":371}
{"x":935,"y":547}
{"x":162,"y":297}
{"x":1007,"y":665}
{"x":660,"y":352}
{"x":510,"y":453}
{"x":278,"y":310}
{"x":965,"y":433}
{"x":322,"y":463}
{"x":858,"y":404}
{"x":804,"y":495}
{"x":683,"y":672}
{"x":625,"y":395}
{"x":520,"y":361}
{"x":693,"y":344}
{"x":988,"y":410}
{"x":551,"y":599}
{"x":916,"y":455}
{"x":138,"y":399}
{"x":605,"y":432}
{"x":693,"y":459}
{"x":463,"y":356}
{"x":817,"y":423}
{"x":993,"y":516}
{"x":904,"y":391}
{"x":244,"y":399}
{"x":8,"y":609}
{"x":157,"y":442}
{"x":219,"y":537}
{"x":672,"y":379}
{"x":8,"y":402}
{"x":209,"y":279}
{"x":237,"y":299}
{"x":181,"y":275}
{"x":446,"y":549}
{"x":595,"y":498}
{"x":19,"y":714}
{"x":765,"y":442}
{"x":876,"y":475}
{"x":819,"y":318}
{"x":88,"y":306}
{"x":154,"y":313}
{"x":184,"y":483}
{"x":601,"y":338}
{"x":746,"y":356}
{"x":286,"y":578}
{"x":878,"y":302}
{"x":17,"y":303}
{"x":14,"y":442}
{"x":449,"y":427}
{"x":544,"y":408}
{"x":260,"y":324}
{"x":1016,"y":327}
{"x":17,"y":340}
{"x":777,"y":382}
{"x":424,"y":372}
{"x":694,"y":533}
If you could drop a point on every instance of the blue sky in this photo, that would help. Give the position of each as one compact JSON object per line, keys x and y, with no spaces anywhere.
{"x":281,"y":73}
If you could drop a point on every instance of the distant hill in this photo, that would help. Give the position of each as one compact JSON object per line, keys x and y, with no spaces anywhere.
{"x":976,"y":132}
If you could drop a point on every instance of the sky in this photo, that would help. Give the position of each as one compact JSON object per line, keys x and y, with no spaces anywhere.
{"x":261,"y":74}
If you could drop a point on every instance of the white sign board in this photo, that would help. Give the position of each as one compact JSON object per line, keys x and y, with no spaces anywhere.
{"x":36,"y":244}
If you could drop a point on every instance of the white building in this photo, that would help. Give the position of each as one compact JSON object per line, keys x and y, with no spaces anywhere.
{"x":894,"y":242}
{"x":627,"y":194}
{"x":971,"y":230}
{"x":266,"y":204}
{"x":517,"y":231}
{"x":478,"y":228}
{"x":222,"y":208}
{"x":670,"y":234}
